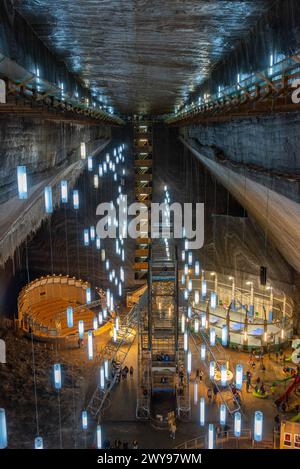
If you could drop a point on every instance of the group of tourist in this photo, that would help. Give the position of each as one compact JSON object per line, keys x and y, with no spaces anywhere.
{"x":118,"y":444}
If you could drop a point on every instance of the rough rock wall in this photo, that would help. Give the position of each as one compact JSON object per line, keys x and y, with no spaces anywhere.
{"x":42,"y":146}
{"x":266,"y":148}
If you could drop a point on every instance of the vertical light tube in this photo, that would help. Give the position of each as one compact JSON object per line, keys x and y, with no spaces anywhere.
{"x":212,"y":370}
{"x":258,"y":426}
{"x":222,"y":414}
{"x":211,"y":436}
{"x":48,"y":199}
{"x":202,"y":411}
{"x":213,"y":300}
{"x":64,"y":191}
{"x":106,"y":369}
{"x":81,"y":329}
{"x":189,"y":362}
{"x":75,"y":199}
{"x":185,"y":341}
{"x":57,"y":375}
{"x":84,"y":419}
{"x":203,"y":288}
{"x":239,"y":376}
{"x":102,"y":377}
{"x":92,"y":233}
{"x":197,"y":297}
{"x":99,"y":437}
{"x":223,"y":374}
{"x":224,"y":335}
{"x":196,"y":326}
{"x":212,"y":337}
{"x":90,"y":163}
{"x":90,"y":345}
{"x":70,"y":320}
{"x":197,"y":268}
{"x":95,"y":323}
{"x":100,"y":318}
{"x":22,"y":182}
{"x":96,"y":181}
{"x":86,"y":238}
{"x":98,"y":243}
{"x":83,"y":151}
{"x":195,"y":393}
{"x":183,"y":323}
{"x":88,"y":295}
{"x":203,"y":321}
{"x":3,"y":429}
{"x":38,"y":443}
{"x":190,"y":259}
{"x":237,"y":424}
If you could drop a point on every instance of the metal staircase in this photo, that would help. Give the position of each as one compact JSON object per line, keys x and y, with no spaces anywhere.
{"x":218,"y":355}
{"x":115,"y":353}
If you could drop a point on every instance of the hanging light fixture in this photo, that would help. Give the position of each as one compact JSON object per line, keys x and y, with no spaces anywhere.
{"x":57,"y":375}
{"x":183,"y":323}
{"x":203,"y":321}
{"x":212,"y":370}
{"x":190,"y":259}
{"x":90,"y":163}
{"x":239,"y":376}
{"x":98,"y":242}
{"x":38,"y":443}
{"x":86,"y":238}
{"x":197,"y":297}
{"x":95,"y":323}
{"x":202,"y":352}
{"x":212,"y":337}
{"x":90,"y":345}
{"x":222,"y":414}
{"x":75,"y":199}
{"x":84,"y":419}
{"x":88,"y":295}
{"x":3,"y":429}
{"x":195,"y":393}
{"x":211,"y":436}
{"x":102,"y":377}
{"x":202,"y":411}
{"x":64,"y":191}
{"x":106,"y":369}
{"x":70,"y":316}
{"x":213,"y":300}
{"x":83,"y":151}
{"x":189,"y":362}
{"x":99,"y":437}
{"x":22,"y":182}
{"x":96,"y":181}
{"x":197,"y":268}
{"x":48,"y":199}
{"x":258,"y":426}
{"x":237,"y":424}
{"x":92,"y":233}
{"x":196,"y":326}
{"x":185,"y":341}
{"x":224,"y":335}
{"x":203,"y":288}
{"x":183,"y":256}
{"x":100,"y":318}
{"x":81,"y":329}
{"x":223,"y":374}
{"x":100,"y":170}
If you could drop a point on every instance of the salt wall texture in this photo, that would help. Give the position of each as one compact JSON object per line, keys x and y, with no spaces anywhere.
{"x":43,"y":147}
{"x":266,"y":149}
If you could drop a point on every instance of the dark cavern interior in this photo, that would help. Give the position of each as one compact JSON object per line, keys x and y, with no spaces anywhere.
{"x":149,"y":227}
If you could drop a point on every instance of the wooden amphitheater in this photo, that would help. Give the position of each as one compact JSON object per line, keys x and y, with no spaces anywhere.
{"x":42,"y":306}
